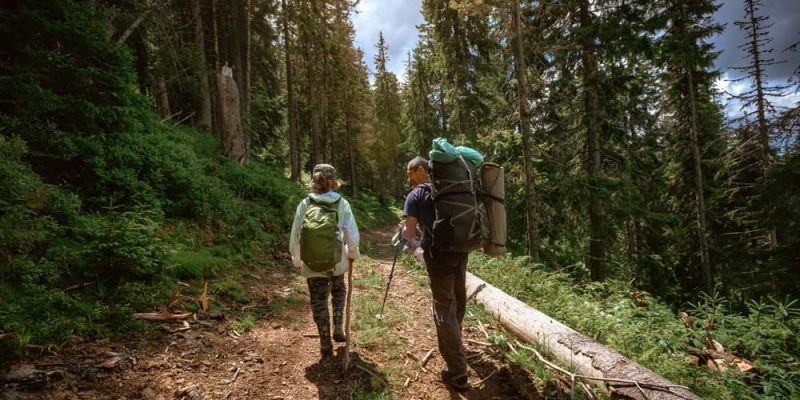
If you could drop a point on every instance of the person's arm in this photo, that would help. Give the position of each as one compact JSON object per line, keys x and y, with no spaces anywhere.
{"x":294,"y":238}
{"x":410,"y":230}
{"x":411,"y":212}
{"x":350,"y":233}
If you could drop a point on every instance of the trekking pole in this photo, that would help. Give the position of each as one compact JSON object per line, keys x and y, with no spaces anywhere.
{"x":347,"y":316}
{"x":380,"y":315}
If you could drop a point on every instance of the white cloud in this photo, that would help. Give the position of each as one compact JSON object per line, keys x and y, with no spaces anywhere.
{"x":397,"y":19}
{"x":733,"y":107}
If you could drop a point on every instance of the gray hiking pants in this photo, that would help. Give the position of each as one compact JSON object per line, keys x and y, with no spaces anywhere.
{"x":447,"y":276}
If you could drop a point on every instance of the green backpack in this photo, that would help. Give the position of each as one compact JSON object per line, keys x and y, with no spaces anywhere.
{"x":320,"y":246}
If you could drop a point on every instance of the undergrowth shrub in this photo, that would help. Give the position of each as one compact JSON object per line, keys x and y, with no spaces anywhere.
{"x":92,"y":183}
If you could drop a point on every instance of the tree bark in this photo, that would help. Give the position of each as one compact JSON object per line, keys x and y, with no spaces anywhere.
{"x":204,"y":114}
{"x":571,"y":349}
{"x":527,"y":139}
{"x":247,"y":84}
{"x":294,"y":140}
{"x":163,"y":96}
{"x":700,"y":202}
{"x":234,"y":139}
{"x":597,"y":214}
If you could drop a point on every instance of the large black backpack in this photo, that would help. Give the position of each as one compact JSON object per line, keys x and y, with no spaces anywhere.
{"x":461,"y":223}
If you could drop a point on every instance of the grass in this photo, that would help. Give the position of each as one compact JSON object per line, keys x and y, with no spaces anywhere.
{"x":280,"y":307}
{"x":244,"y":324}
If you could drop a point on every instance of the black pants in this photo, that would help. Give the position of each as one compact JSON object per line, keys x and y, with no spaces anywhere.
{"x":447,"y":274}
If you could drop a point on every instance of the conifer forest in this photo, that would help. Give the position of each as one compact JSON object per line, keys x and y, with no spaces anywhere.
{"x":153,"y":153}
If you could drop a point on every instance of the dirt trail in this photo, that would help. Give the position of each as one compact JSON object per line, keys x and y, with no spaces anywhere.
{"x":278,"y":358}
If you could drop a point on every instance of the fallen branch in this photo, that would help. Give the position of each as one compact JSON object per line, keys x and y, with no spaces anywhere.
{"x":480,"y":325}
{"x":475,"y":293}
{"x":161,"y":316}
{"x":203,"y":298}
{"x":78,"y":286}
{"x":480,"y":382}
{"x":478,"y":342}
{"x":427,"y":357}
{"x":235,"y":375}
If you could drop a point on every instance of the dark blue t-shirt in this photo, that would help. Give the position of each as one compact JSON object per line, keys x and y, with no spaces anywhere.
{"x":420,"y":205}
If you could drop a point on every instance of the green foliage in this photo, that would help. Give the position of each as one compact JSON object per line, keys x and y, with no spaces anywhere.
{"x":765,"y":334}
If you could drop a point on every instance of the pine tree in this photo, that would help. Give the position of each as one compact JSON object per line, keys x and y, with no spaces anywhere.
{"x":387,"y":120}
{"x":689,"y":78}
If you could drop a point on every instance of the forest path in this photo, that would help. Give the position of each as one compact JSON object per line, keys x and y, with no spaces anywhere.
{"x":278,"y":357}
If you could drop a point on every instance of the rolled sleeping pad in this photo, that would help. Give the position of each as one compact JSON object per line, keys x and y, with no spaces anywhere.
{"x":493,"y":182}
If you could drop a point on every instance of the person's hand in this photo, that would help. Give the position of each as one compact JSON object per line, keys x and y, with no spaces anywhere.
{"x":411,"y":246}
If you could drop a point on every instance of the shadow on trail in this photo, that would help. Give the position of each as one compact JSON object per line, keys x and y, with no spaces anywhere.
{"x":332,"y":382}
{"x":506,"y":383}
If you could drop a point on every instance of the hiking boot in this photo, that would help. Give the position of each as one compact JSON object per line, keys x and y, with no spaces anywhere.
{"x":338,"y":334}
{"x":460,"y":383}
{"x":326,"y":348}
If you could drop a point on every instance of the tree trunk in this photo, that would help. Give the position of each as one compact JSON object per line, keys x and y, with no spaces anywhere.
{"x":204,"y":114}
{"x":326,"y":84}
{"x":443,"y":110}
{"x":761,"y":103}
{"x":571,"y":349}
{"x":527,"y":139}
{"x":311,"y":88}
{"x":294,"y":140}
{"x":247,"y":61}
{"x":163,"y":96}
{"x":351,"y":153}
{"x":234,"y":139}
{"x":702,"y":231}
{"x":597,"y":214}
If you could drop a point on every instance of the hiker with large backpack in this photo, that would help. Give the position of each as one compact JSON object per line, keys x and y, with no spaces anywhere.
{"x":323,"y":244}
{"x":458,"y":199}
{"x":446,"y":272}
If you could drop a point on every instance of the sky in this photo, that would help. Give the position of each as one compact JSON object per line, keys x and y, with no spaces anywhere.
{"x":397,"y":19}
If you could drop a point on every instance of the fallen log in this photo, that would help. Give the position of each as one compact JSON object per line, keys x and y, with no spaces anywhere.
{"x":601,"y":366}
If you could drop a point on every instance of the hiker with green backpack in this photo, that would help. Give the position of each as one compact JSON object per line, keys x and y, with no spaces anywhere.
{"x":324,"y":244}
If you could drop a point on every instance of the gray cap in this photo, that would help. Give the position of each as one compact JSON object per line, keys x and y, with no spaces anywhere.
{"x":327,"y":170}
